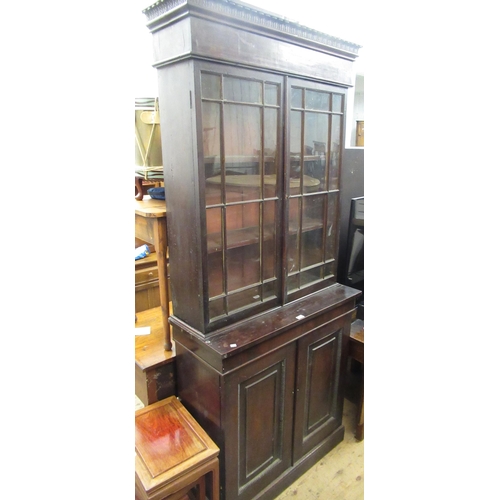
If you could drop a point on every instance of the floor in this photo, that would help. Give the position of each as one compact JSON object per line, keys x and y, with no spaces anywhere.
{"x":339,"y":475}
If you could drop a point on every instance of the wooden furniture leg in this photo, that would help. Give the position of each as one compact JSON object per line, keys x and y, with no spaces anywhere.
{"x":140,"y":191}
{"x":161,"y":250}
{"x":357,"y":352}
{"x":360,"y":427}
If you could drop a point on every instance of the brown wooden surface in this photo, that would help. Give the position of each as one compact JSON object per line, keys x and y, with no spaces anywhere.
{"x":260,"y":419}
{"x":319,"y":408}
{"x":228,"y":342}
{"x":173,"y":452}
{"x":237,"y":406}
{"x":151,"y":226}
{"x":221,"y":362}
{"x":154,"y":366}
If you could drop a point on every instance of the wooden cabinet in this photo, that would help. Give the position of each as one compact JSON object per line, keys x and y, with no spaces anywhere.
{"x":270,"y":389}
{"x":252,"y":110}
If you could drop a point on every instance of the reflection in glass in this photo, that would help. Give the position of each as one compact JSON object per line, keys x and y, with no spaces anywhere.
{"x":312,"y":230}
{"x":241,"y":178}
{"x":243,"y":299}
{"x":296,"y":100}
{"x":337,"y":103}
{"x":211,"y":147}
{"x":295,"y":143}
{"x":216,"y":307}
{"x":310,"y":276}
{"x":317,"y":100}
{"x":271,"y":94}
{"x":294,"y":207}
{"x":242,"y":136}
{"x":270,"y":148}
{"x":331,"y":233}
{"x":214,"y":247}
{"x":316,"y":139}
{"x":336,"y":138}
{"x":210,"y":86}
{"x":241,"y":90}
{"x":243,"y":267}
{"x":269,"y":245}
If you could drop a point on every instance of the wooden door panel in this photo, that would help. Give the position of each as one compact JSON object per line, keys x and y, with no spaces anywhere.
{"x":318,"y":408}
{"x":260,"y":420}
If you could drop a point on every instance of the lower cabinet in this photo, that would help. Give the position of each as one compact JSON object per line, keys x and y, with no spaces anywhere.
{"x":273,"y":404}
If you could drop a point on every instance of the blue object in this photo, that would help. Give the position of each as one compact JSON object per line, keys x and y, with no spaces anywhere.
{"x":157,"y":193}
{"x":141,"y":252}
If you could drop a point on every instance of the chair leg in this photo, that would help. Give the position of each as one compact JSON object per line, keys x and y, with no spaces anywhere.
{"x":360,"y":427}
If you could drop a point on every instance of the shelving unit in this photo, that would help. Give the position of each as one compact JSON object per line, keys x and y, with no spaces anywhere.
{"x":252,"y":112}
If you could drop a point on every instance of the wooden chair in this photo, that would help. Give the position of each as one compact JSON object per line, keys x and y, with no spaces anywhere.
{"x":174,"y":455}
{"x":357,"y":352}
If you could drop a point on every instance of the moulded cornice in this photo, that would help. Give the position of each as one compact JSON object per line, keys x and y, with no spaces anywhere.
{"x":164,"y":11}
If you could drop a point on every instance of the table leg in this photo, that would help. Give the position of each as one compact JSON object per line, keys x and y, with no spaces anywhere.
{"x":160,"y":238}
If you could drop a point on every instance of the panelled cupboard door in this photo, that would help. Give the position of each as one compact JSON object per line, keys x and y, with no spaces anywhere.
{"x":318,"y":405}
{"x":259,"y":419}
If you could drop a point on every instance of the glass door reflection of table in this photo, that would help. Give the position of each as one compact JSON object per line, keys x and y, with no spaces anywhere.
{"x":151,"y":227}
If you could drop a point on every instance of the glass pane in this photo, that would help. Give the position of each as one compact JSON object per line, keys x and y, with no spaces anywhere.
{"x":295,"y":143}
{"x":296,"y":99}
{"x":211,"y":149}
{"x":310,"y":276}
{"x":317,"y":100}
{"x":270,"y":146}
{"x":331,"y":227}
{"x":238,"y":89}
{"x":210,"y":86}
{"x":294,"y":205}
{"x":243,"y":267}
{"x":312,"y":231}
{"x":214,"y":248}
{"x":269,"y":243}
{"x":242,"y":136}
{"x":336,"y":139}
{"x":217,"y":308}
{"x":244,"y":299}
{"x":329,"y":270}
{"x":271,"y":94}
{"x":269,"y":290}
{"x":292,"y":283}
{"x":315,"y":138}
{"x":337,"y":103}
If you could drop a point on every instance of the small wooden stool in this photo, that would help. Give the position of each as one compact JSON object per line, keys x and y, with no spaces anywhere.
{"x":357,"y":352}
{"x":174,"y":455}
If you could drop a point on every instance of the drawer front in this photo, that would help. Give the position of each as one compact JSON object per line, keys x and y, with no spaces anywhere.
{"x":146,"y":275}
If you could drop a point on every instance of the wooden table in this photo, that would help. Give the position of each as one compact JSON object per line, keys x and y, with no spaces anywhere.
{"x":151,"y":227}
{"x":174,"y":455}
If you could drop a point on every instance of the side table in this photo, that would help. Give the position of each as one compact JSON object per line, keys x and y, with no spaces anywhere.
{"x":174,"y":455}
{"x":151,"y":227}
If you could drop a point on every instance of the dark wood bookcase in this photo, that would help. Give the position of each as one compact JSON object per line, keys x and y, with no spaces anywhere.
{"x":252,"y":111}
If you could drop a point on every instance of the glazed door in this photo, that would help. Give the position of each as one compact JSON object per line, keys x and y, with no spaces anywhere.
{"x":259,"y":419}
{"x":241,"y":123}
{"x":315,"y":118}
